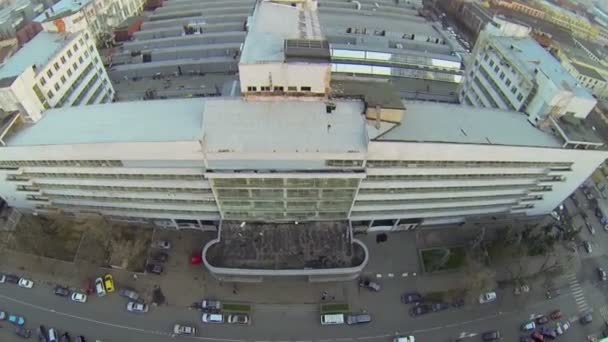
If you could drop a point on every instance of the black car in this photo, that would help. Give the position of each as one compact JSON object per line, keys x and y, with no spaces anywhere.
{"x":586,"y":319}
{"x":420,"y":310}
{"x":542,"y":320}
{"x":411,"y":297}
{"x":80,"y":339}
{"x":160,"y":257}
{"x":11,"y":278}
{"x":491,"y":335}
{"x":439,"y":306}
{"x":23,"y":332}
{"x":154,"y":268}
{"x":62,"y":291}
{"x":42,"y":334}
{"x":65,"y":337}
{"x":458,"y":303}
{"x":526,"y":339}
{"x":548,"y":333}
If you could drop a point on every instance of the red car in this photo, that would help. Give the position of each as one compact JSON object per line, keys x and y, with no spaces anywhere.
{"x":555,"y":315}
{"x":88,"y":286}
{"x":196,"y":258}
{"x":538,"y":337}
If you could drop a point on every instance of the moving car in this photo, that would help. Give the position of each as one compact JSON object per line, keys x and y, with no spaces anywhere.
{"x":411,"y":297}
{"x":137,"y":307}
{"x":128,"y":293}
{"x":108,"y":282}
{"x":61,"y":291}
{"x":358,"y":318}
{"x":162,"y":244}
{"x":487,"y":297}
{"x":491,"y":335}
{"x":601,"y":273}
{"x":186,"y":330}
{"x":25,"y":283}
{"x":370,"y":285}
{"x":99,"y":288}
{"x":238,"y":318}
{"x":587,"y":246}
{"x":23,"y":332}
{"x":79,"y":297}
{"x":212,"y":318}
{"x":16,"y":319}
{"x":586,"y":319}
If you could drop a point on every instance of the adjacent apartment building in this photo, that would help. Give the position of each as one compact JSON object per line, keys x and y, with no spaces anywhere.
{"x":510,"y":70}
{"x":53,"y":70}
{"x":297,"y":146}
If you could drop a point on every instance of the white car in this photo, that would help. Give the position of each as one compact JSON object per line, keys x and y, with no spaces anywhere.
{"x":100,"y":289}
{"x":2,"y":279}
{"x":187,"y":330}
{"x":78,"y":297}
{"x":238,"y":319}
{"x":487,"y":297}
{"x":404,"y":339}
{"x":212,"y":318}
{"x":137,"y":307}
{"x":25,"y":283}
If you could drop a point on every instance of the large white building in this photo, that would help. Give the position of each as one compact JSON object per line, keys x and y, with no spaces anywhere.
{"x":53,"y":70}
{"x":510,"y":70}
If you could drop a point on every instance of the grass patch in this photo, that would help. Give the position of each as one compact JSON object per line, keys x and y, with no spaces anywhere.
{"x":334,"y":308}
{"x":245,"y":308}
{"x":442,"y":259}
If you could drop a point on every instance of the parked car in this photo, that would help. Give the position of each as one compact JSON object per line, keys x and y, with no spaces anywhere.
{"x":561,"y":328}
{"x":526,"y":339}
{"x":162,"y":244}
{"x":99,"y":288}
{"x":53,"y":335}
{"x":411,"y":297}
{"x":548,"y":333}
{"x":23,"y":332}
{"x":487,"y":297}
{"x":238,"y":318}
{"x":404,"y":339}
{"x":108,"y":282}
{"x":160,"y":257}
{"x":537,"y":337}
{"x":65,"y":337}
{"x":528,"y":326}
{"x":81,"y":338}
{"x":552,"y":293}
{"x":137,"y":307}
{"x":79,"y":297}
{"x":3,"y":315}
{"x":212,"y":318}
{"x":42,"y":334}
{"x":10,"y":278}
{"x":458,"y":303}
{"x":587,"y":246}
{"x":590,"y":227}
{"x":211,"y":305}
{"x":154,"y":268}
{"x":184,"y":330}
{"x":16,"y":320}
{"x":370,"y":285}
{"x":435,"y":307}
{"x":420,"y":310}
{"x":601,"y":273}
{"x":555,"y":314}
{"x":541,"y":320}
{"x":2,"y":278}
{"x":586,"y":319}
{"x":128,"y":293}
{"x":25,"y":283}
{"x":61,"y":291}
{"x":491,"y":335}
{"x":358,"y":318}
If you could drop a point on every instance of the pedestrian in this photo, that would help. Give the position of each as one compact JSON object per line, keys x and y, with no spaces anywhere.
{"x":324,"y":295}
{"x":134,"y":276}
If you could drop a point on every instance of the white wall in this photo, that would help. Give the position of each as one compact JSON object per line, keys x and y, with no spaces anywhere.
{"x":314,"y":75}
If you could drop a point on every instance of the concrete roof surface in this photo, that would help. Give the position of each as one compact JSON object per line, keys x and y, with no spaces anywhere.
{"x":138,"y":121}
{"x":37,"y":52}
{"x":449,"y":123}
{"x":63,"y":6}
{"x":587,"y":71}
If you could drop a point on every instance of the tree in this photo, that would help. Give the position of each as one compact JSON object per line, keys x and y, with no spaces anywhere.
{"x":479,"y":278}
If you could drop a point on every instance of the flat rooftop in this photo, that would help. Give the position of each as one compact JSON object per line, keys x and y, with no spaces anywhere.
{"x":587,"y":71}
{"x":62,"y":8}
{"x":270,"y":25}
{"x":451,"y":123}
{"x":37,"y":51}
{"x":526,"y":52}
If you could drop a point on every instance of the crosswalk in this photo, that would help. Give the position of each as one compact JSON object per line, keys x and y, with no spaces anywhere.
{"x":604,"y":313}
{"x":577,"y":293}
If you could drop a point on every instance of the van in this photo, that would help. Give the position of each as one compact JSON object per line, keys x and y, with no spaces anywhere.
{"x":358,"y":318}
{"x":328,"y":319}
{"x":52,"y":335}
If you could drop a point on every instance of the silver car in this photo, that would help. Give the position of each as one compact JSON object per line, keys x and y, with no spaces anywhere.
{"x":136,"y":307}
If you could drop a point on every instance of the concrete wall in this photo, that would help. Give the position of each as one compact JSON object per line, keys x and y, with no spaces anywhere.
{"x":313,"y":75}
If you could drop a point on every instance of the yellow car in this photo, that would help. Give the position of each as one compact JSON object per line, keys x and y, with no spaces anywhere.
{"x":108,"y":282}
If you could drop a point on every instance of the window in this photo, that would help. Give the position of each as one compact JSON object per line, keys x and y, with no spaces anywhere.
{"x":56,"y":86}
{"x":508,"y":82}
{"x":278,"y":88}
{"x":75,"y":66}
{"x":81,"y":41}
{"x":86,"y":36}
{"x":62,"y":60}
{"x":91,"y":48}
{"x":42,"y":81}
{"x":62,"y":79}
{"x":491,"y":63}
{"x":50,"y":94}
{"x":56,"y":65}
{"x":69,"y":72}
{"x":305,"y":88}
{"x":486,"y":57}
{"x":86,"y":53}
{"x":513,"y":90}
{"x":496,"y":69}
{"x":265,"y":88}
{"x":80,"y":60}
{"x":292,"y":88}
{"x":520,"y":97}
{"x":252,"y":88}
{"x":49,"y":73}
{"x":69,"y":53}
{"x":75,"y":47}
{"x":502,"y":75}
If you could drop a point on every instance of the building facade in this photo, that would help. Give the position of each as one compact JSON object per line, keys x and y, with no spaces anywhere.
{"x":510,"y":70}
{"x":53,"y":70}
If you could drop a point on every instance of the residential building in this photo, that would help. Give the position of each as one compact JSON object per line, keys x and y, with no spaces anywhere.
{"x":588,"y":75}
{"x":53,"y":70}
{"x":98,"y":16}
{"x":510,"y":70}
{"x":15,"y":14}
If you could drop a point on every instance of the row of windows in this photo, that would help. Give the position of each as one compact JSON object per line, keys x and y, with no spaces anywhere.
{"x":442,"y":189}
{"x":111,"y":176}
{"x":64,"y":59}
{"x":125,"y":188}
{"x":134,"y":199}
{"x":430,"y":210}
{"x":497,"y":89}
{"x":437,"y":200}
{"x":496,"y":69}
{"x":290,"y":193}
{"x":485,"y":92}
{"x":288,"y":205}
{"x":54,"y":163}
{"x":85,"y":90}
{"x":101,"y":208}
{"x":469,"y":176}
{"x":75,"y":85}
{"x":69,"y":72}
{"x":344,"y":163}
{"x":291,"y":216}
{"x":465,"y":163}
{"x":279,"y":88}
{"x":285,"y":183}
